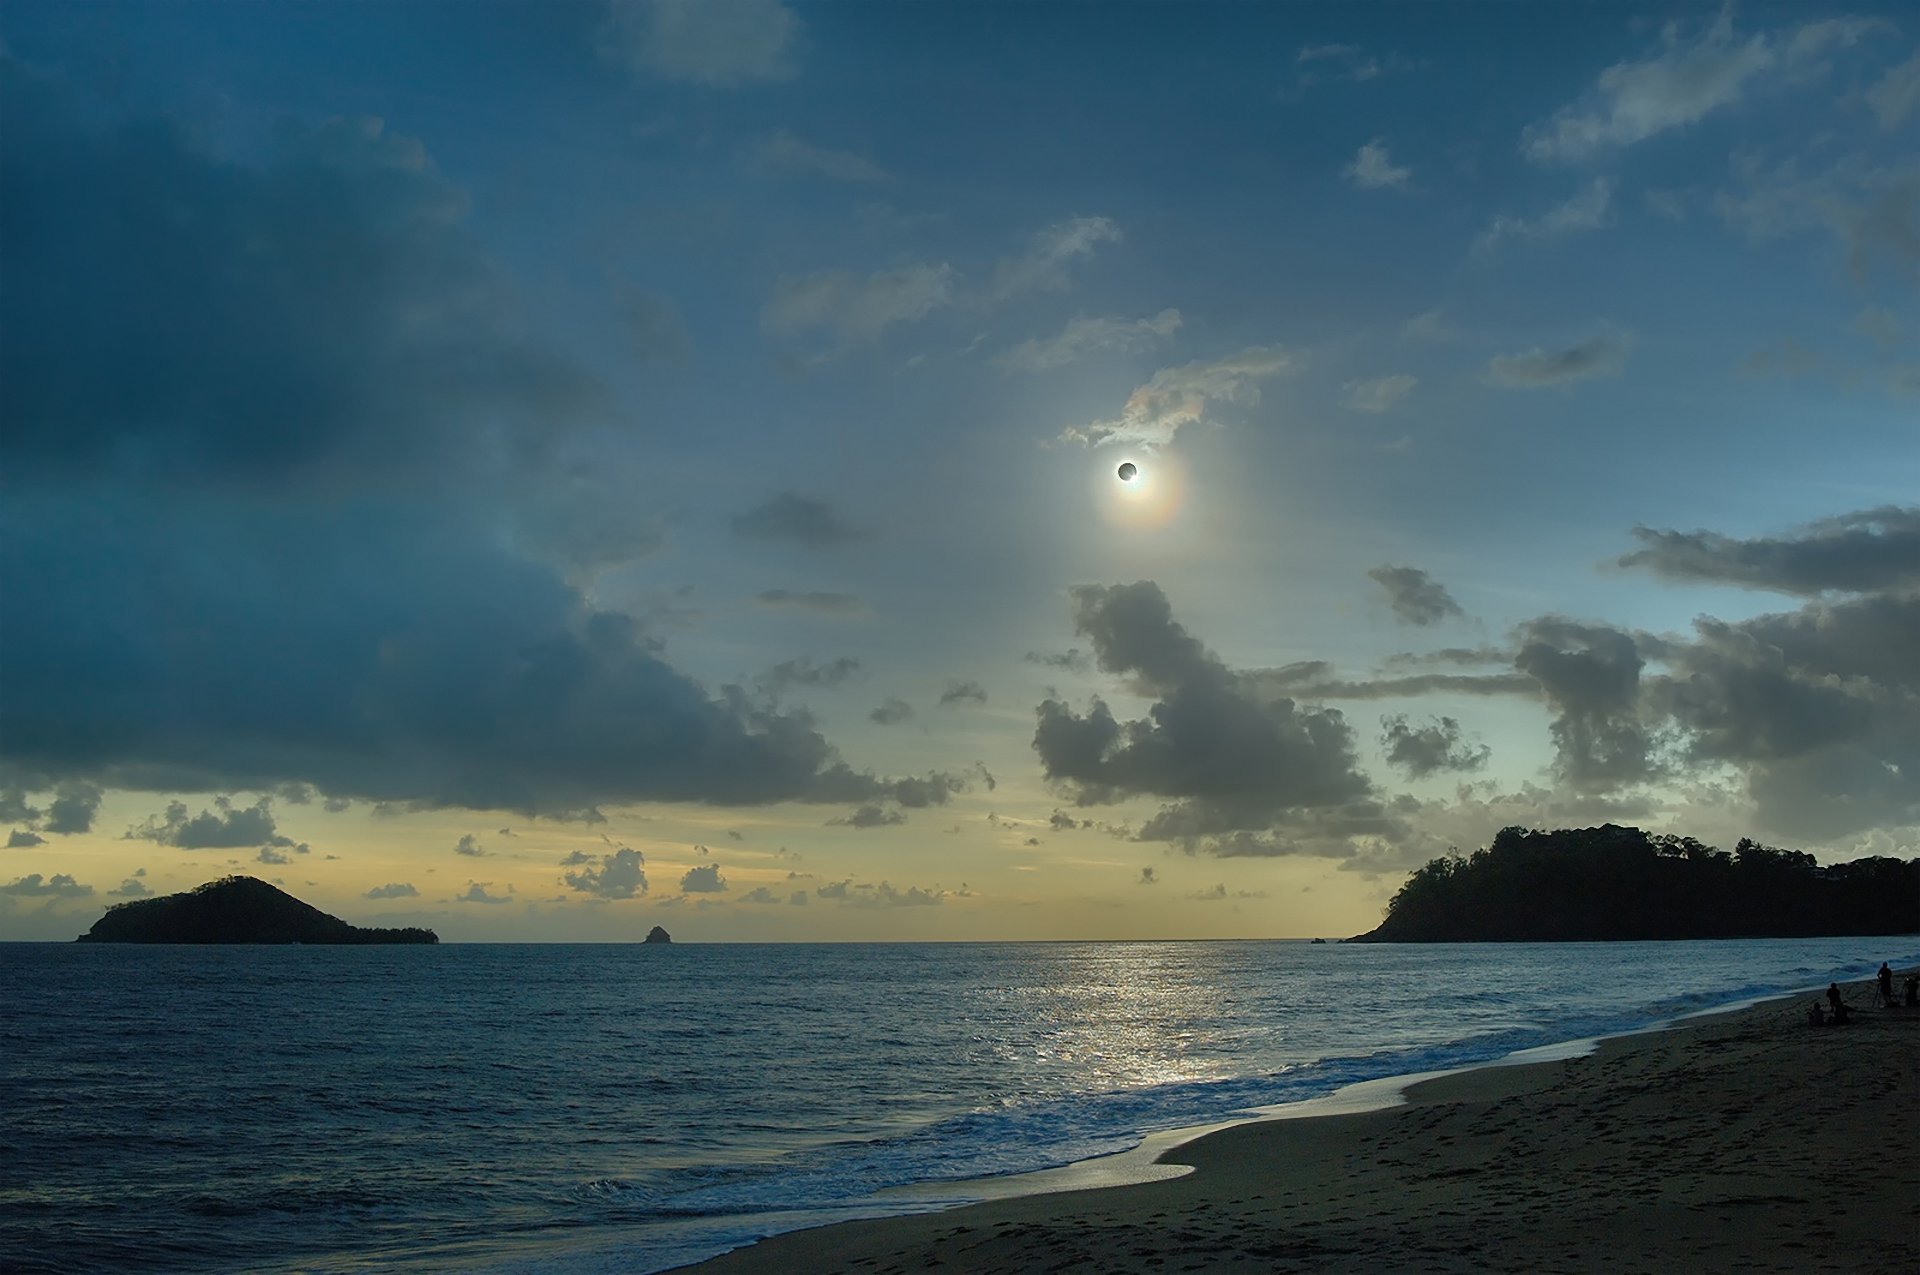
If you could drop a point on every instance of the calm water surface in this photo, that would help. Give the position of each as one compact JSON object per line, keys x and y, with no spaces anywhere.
{"x":629,"y":1108}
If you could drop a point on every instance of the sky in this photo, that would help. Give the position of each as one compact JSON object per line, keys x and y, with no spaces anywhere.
{"x":546,"y":471}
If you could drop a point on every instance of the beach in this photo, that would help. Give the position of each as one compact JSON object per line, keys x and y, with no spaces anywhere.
{"x":1746,"y":1140}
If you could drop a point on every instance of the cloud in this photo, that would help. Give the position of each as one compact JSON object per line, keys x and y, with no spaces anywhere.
{"x":224,"y":827}
{"x":1871,"y":210}
{"x":334,"y":292}
{"x":394,"y":890}
{"x":58,"y":886}
{"x":1230,"y":757}
{"x":1425,"y":750}
{"x":804,"y":671}
{"x":761,"y":894}
{"x":477,"y":893}
{"x":653,"y":327}
{"x":1377,"y":394}
{"x":1044,"y":266}
{"x":884,"y":895}
{"x":1147,"y":877}
{"x":1351,"y":63}
{"x":782,"y":152}
{"x":857,"y":310}
{"x":1684,"y":81}
{"x":812,"y":600}
{"x":131,"y":888}
{"x":1861,"y":552}
{"x":1179,"y":396}
{"x":869,"y":816}
{"x":1219,"y":892}
{"x":803,"y":520}
{"x":693,"y":41}
{"x":1073,"y":660}
{"x":72,"y":809}
{"x":705,"y":879}
{"x":1897,"y":94}
{"x":891,"y":712}
{"x":1416,"y":597}
{"x":963,"y":692}
{"x":1087,"y":336}
{"x":1589,"y":209}
{"x":1538,"y":368}
{"x":470,"y":846}
{"x":268,"y":854}
{"x":21,"y":839}
{"x":1372,"y":169}
{"x":619,"y":876}
{"x":1590,"y":674}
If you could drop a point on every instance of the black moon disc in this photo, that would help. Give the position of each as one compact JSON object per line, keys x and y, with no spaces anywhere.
{"x":1128,"y":471}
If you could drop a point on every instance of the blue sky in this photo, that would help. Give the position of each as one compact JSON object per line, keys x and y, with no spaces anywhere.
{"x":673,"y":448}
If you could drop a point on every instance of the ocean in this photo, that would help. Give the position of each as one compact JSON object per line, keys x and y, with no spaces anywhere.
{"x":597,"y":1108}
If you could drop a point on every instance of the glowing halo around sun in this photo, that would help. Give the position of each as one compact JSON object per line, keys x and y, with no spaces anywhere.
{"x":1150,"y":498}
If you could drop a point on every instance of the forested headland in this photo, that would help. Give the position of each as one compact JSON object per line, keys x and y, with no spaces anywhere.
{"x":235,"y":910}
{"x":1611,"y":882}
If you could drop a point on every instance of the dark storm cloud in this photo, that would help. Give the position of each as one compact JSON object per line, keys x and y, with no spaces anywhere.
{"x":324,"y":310}
{"x":891,"y":712}
{"x":1427,"y":749}
{"x":1590,"y":674}
{"x":15,"y":809}
{"x":1402,"y":687}
{"x":802,"y":520}
{"x":620,"y":875}
{"x":225,"y":827}
{"x":967,"y":692}
{"x":1232,"y":758}
{"x":395,"y":890}
{"x":831,"y":603}
{"x":72,"y":809}
{"x":931,"y":789}
{"x":1862,"y":552}
{"x":1415,"y":596}
{"x":20,"y":839}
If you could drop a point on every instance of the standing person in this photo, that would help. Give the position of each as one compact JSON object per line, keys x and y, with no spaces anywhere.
{"x":1886,"y":984}
{"x":1833,"y":995}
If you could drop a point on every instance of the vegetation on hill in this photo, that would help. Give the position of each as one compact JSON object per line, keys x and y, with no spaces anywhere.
{"x":1621,"y":883}
{"x":235,"y":910}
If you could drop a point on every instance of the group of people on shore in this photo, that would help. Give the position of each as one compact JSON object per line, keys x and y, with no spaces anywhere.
{"x":1837,"y":1011}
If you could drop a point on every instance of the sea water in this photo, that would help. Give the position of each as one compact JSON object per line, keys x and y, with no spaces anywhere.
{"x":563,"y":1108}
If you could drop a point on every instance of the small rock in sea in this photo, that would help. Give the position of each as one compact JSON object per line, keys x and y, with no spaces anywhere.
{"x":658,"y":935}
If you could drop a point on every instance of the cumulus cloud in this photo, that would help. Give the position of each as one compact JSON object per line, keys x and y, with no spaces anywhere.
{"x":692,"y":41}
{"x":761,"y":894}
{"x":226,"y":826}
{"x":884,"y":895}
{"x":1176,"y":397}
{"x":806,"y":521}
{"x":1083,"y":337}
{"x":1590,"y":674}
{"x":705,"y":879}
{"x":1589,"y":209}
{"x":393,"y":890}
{"x":1860,"y":552}
{"x":963,"y":692}
{"x":22,"y":839}
{"x":1430,"y":748}
{"x":891,"y":712}
{"x":1044,"y":265}
{"x":1377,"y":394}
{"x":1228,"y":756}
{"x":131,"y":888}
{"x":619,"y":875}
{"x":1416,"y":597}
{"x":783,"y":152}
{"x":59,"y":886}
{"x":869,"y":816}
{"x":477,"y":893}
{"x":857,"y":310}
{"x":1373,"y":169}
{"x":469,"y":845}
{"x":1539,"y":368}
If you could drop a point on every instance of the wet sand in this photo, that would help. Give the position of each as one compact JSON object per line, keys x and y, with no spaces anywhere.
{"x":1747,"y":1141}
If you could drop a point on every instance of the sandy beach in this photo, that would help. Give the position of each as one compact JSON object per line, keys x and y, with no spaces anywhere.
{"x":1747,"y":1141}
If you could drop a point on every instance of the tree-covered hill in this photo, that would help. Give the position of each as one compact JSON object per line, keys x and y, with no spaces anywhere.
{"x":235,"y":910}
{"x":1621,"y":883}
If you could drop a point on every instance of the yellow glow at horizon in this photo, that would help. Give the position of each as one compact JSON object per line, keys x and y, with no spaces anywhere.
{"x":1151,"y":500}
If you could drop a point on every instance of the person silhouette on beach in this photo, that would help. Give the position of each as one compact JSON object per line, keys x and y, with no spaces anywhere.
{"x":1816,"y":1017}
{"x":1833,"y":996}
{"x":1886,"y":984}
{"x":1840,"y":1014}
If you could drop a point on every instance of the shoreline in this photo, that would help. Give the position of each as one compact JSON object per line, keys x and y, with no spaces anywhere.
{"x":1726,"y":1136}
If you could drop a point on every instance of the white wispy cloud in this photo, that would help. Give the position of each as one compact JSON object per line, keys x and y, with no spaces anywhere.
{"x":1180,"y":396}
{"x":784,"y":152}
{"x":1373,"y":169}
{"x":857,"y":309}
{"x":1084,"y":336}
{"x":1377,"y":394}
{"x":1896,"y":94}
{"x":1043,"y":266}
{"x":1540,"y":368}
{"x":696,"y":41}
{"x":1589,"y":209}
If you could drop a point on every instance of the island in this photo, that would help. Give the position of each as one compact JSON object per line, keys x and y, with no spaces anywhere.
{"x":1611,"y":883}
{"x":235,"y":910}
{"x":658,"y":935}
